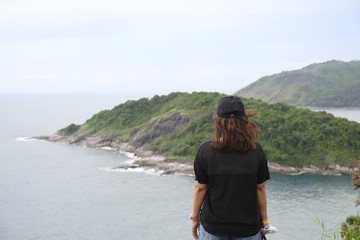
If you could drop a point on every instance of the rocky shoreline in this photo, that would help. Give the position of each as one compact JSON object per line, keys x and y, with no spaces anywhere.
{"x":147,"y":159}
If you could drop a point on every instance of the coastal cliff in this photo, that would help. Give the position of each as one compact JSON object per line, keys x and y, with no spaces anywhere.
{"x":148,"y":159}
{"x":166,"y":131}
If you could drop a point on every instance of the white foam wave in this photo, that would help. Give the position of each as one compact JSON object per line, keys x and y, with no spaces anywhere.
{"x":109,"y":169}
{"x":184,"y":174}
{"x":128,"y":154}
{"x":136,"y":170}
{"x":295,"y":174}
{"x":337,"y":174}
{"x":27,"y":139}
{"x":130,"y":162}
{"x":108,"y":148}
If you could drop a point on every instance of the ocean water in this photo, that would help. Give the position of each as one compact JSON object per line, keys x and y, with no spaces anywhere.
{"x":59,"y":191}
{"x":352,"y":114}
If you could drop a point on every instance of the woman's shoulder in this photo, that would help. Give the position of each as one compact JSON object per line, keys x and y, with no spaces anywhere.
{"x":205,"y":144}
{"x":206,"y":147}
{"x":258,"y":148}
{"x":258,"y":145}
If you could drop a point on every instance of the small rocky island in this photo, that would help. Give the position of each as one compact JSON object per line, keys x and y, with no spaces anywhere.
{"x":165,"y":132}
{"x":148,"y":159}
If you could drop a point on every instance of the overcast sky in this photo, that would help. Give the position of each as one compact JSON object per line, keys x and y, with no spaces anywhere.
{"x":161,"y":46}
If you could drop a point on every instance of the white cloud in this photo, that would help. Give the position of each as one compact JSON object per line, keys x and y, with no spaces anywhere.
{"x":53,"y":77}
{"x":172,"y":45}
{"x":210,"y":8}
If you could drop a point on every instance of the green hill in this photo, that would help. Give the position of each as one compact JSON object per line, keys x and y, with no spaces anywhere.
{"x":328,"y":84}
{"x":176,"y":124}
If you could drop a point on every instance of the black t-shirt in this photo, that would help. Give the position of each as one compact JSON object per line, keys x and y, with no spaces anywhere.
{"x":230,"y":207}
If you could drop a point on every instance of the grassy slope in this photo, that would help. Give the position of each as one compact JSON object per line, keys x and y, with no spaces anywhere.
{"x":329,"y":84}
{"x":290,"y":135}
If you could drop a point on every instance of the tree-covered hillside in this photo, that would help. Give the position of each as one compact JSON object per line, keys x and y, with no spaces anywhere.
{"x":176,"y":124}
{"x":328,"y":84}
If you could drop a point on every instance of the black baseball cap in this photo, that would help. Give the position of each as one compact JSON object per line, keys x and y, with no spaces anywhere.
{"x":230,"y":107}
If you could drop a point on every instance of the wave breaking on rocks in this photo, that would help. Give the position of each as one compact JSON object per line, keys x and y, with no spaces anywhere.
{"x":149,"y":160}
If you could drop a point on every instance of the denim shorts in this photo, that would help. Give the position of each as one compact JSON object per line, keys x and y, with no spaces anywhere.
{"x":204,"y":235}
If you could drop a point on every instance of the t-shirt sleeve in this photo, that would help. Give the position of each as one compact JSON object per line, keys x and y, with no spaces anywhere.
{"x":263,"y":170}
{"x":199,"y":168}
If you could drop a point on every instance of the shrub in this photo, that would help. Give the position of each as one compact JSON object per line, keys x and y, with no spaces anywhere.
{"x":350,"y":229}
{"x":70,"y":129}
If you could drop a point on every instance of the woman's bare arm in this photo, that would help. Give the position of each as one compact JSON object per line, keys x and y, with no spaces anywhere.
{"x":261,"y":193}
{"x":198,"y":198}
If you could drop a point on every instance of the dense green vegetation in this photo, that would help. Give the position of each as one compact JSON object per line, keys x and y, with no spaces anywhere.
{"x":124,"y":120}
{"x":350,"y":229}
{"x":329,"y":84}
{"x":295,"y":136}
{"x":70,"y":129}
{"x":290,"y":135}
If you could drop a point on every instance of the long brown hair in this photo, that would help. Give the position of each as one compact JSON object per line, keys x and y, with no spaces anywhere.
{"x":235,"y":134}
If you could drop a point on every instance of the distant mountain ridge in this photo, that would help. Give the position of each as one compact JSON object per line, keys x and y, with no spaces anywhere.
{"x":329,"y":84}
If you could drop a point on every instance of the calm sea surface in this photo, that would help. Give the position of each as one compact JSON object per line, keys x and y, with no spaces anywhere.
{"x":58,"y":191}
